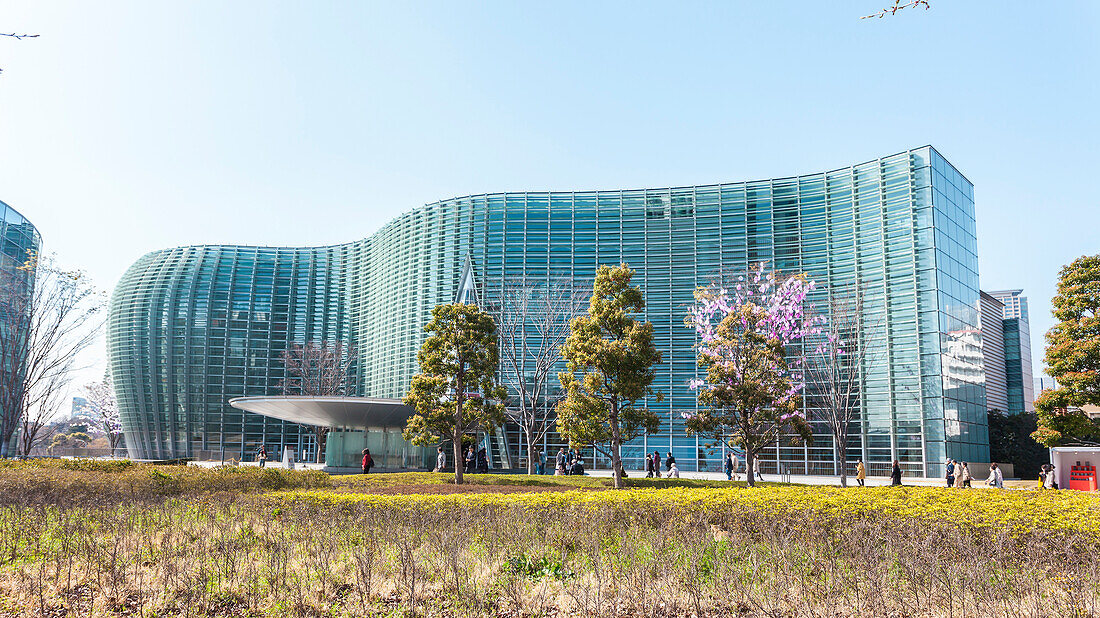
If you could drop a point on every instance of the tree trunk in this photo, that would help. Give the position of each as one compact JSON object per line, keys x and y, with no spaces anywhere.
{"x":840,"y":440}
{"x":530,"y":454}
{"x":320,"y":436}
{"x":459,"y":457}
{"x":750,"y":470}
{"x":616,"y":438}
{"x":460,"y":390}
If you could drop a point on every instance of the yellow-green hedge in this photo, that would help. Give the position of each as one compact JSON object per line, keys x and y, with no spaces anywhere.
{"x":1019,"y":512}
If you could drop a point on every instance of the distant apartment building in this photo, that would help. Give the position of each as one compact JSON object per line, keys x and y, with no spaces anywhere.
{"x":1017,"y":351}
{"x":991,"y":319}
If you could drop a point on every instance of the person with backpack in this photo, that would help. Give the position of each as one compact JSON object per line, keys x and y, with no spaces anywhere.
{"x":261,"y":455}
{"x":368,"y":461}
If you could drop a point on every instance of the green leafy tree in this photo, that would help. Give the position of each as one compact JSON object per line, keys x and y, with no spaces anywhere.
{"x":614,"y":355}
{"x":1010,"y":441}
{"x":456,"y":390}
{"x":1072,"y":356}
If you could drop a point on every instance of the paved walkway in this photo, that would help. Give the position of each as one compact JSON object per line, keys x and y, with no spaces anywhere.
{"x":793,"y":478}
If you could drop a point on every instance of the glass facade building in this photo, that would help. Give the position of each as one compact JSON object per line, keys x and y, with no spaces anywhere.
{"x":191,"y":327}
{"x":19,"y":242}
{"x":1017,"y":341}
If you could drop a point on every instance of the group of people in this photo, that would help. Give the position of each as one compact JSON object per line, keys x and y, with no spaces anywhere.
{"x":731,"y":465}
{"x":568,"y":463}
{"x":958,"y":475}
{"x":653,"y":466}
{"x":474,"y":460}
{"x":1047,"y":478}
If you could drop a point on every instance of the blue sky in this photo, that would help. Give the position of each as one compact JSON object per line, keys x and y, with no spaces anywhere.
{"x":133,"y":126}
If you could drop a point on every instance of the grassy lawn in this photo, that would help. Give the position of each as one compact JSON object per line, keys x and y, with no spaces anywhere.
{"x":87,"y":539}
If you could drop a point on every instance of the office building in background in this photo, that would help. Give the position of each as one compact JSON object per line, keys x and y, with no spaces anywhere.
{"x":1017,"y":345}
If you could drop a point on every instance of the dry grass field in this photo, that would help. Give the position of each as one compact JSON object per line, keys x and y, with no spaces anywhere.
{"x":90,"y":539}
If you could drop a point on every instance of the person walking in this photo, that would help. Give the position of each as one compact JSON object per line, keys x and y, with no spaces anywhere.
{"x":540,"y":468}
{"x":648,"y":467}
{"x":962,"y":476}
{"x":482,"y":461}
{"x":895,"y":474}
{"x":656,"y":459}
{"x":861,"y":473}
{"x":261,"y":455}
{"x":756,"y":468}
{"x":559,"y":462}
{"x":996,"y":478}
{"x":669,"y":461}
{"x":728,"y":465}
{"x":440,"y":459}
{"x":368,"y":461}
{"x":950,"y":473}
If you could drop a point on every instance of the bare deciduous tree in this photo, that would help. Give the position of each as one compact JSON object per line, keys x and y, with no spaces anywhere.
{"x":319,"y":370}
{"x":533,"y":322}
{"x":48,"y":315}
{"x":835,"y":369}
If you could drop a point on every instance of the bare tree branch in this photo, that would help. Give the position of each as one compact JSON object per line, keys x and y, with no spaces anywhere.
{"x":533,"y":324}
{"x":834,"y":371}
{"x":897,"y":6}
{"x":47,"y":317}
{"x":19,"y":36}
{"x":320,"y":370}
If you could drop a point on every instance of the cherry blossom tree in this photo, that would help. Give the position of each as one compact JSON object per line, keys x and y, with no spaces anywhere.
{"x":752,"y":390}
{"x":101,"y":399}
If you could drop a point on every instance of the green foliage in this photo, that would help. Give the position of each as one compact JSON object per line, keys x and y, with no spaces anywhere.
{"x":615,"y":357}
{"x":97,"y":465}
{"x":1010,"y":441}
{"x":68,"y":481}
{"x":540,"y":567}
{"x":456,"y":390}
{"x":1073,"y":356}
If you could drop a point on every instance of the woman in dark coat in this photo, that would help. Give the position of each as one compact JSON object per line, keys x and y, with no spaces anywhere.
{"x":649,"y":467}
{"x":895,"y":474}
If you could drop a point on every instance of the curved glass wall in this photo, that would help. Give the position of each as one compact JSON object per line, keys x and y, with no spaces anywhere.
{"x":19,"y":242}
{"x":192,"y":327}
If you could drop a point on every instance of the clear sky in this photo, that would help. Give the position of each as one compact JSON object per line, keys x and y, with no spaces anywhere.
{"x":133,"y":126}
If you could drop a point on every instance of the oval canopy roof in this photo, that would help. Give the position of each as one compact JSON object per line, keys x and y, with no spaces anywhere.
{"x":336,"y":412}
